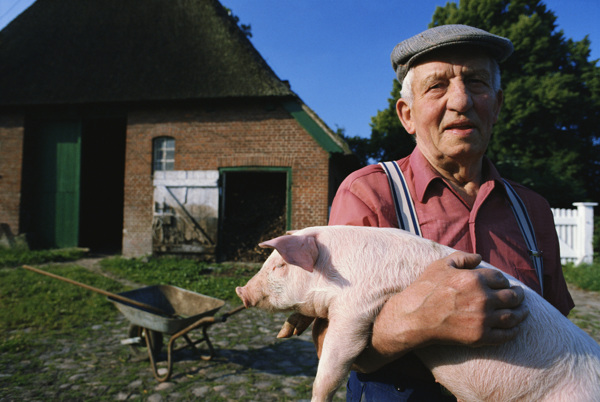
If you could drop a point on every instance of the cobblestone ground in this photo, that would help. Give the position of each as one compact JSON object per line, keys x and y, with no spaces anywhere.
{"x":251,"y":364}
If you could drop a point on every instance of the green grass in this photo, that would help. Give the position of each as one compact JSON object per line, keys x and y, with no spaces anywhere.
{"x":40,"y":304}
{"x":20,"y":256}
{"x":33,"y":305}
{"x":35,"y":301}
{"x":584,"y":276}
{"x":216,"y":280}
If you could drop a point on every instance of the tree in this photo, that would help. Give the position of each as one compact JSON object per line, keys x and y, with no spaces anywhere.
{"x":548,"y":134}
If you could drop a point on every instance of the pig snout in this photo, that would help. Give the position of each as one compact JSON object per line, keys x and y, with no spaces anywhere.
{"x":243,"y":294}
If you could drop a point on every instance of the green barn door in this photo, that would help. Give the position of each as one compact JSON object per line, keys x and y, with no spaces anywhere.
{"x":59,"y":150}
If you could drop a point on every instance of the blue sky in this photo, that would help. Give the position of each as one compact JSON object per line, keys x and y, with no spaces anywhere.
{"x":335,"y":53}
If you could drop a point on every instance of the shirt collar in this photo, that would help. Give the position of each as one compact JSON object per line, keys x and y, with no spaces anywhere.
{"x":424,"y":175}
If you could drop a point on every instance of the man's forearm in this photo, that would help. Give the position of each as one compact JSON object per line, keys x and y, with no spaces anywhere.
{"x":445,"y":305}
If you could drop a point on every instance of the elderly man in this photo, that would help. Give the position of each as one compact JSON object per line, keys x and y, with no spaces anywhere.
{"x":450,"y":100}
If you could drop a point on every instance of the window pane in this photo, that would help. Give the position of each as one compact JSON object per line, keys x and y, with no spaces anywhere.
{"x":163,"y":153}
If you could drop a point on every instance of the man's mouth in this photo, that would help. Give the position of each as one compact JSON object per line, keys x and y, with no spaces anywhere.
{"x":460,"y":126}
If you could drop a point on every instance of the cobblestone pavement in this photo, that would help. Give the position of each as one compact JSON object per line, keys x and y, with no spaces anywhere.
{"x":250,"y":365}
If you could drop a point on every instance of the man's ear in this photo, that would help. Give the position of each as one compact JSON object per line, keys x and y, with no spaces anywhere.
{"x":405,"y":116}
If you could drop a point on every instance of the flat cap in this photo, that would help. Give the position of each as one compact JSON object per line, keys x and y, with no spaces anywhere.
{"x":407,"y":52}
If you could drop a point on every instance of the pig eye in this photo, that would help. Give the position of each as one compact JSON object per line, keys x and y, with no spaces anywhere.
{"x":280,"y":265}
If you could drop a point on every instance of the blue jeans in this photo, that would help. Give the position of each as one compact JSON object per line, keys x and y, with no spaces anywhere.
{"x":365,"y":388}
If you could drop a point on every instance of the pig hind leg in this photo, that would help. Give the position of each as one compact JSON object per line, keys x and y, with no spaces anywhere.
{"x":344,"y":341}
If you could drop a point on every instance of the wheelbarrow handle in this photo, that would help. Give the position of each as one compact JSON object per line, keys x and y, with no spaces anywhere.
{"x":228,"y":314}
{"x":101,"y":291}
{"x":208,"y":321}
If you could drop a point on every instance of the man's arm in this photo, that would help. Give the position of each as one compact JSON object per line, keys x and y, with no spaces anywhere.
{"x":444,"y":305}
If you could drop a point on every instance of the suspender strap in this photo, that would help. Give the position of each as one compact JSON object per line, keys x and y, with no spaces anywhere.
{"x":407,"y":216}
{"x":403,"y":203}
{"x":518,"y":208}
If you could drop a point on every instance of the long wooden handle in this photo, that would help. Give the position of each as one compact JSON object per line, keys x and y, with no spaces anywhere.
{"x":101,"y":291}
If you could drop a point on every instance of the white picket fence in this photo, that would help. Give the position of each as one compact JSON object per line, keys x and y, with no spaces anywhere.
{"x":575,"y":228}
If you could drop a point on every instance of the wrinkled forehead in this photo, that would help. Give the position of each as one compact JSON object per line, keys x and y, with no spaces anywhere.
{"x":455,"y":60}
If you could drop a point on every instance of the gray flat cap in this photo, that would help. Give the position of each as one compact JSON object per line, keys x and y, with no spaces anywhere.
{"x":405,"y":53}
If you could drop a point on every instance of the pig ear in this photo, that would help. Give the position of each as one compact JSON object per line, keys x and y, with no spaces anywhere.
{"x":296,"y":250}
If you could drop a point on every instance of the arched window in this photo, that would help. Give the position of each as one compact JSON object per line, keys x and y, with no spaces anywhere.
{"x":163,"y":153}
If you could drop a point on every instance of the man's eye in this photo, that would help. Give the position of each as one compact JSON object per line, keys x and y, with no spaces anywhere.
{"x":437,"y":85}
{"x":477,"y":81}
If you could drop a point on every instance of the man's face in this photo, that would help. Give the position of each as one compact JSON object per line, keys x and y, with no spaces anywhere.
{"x":454,"y":107}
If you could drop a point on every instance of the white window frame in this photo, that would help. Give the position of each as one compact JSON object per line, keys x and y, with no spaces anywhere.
{"x":160,"y":149}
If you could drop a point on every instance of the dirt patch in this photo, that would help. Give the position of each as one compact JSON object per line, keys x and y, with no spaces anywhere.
{"x":586,"y":313}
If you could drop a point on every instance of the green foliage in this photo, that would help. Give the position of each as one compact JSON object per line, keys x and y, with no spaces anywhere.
{"x":216,"y":280}
{"x":548,"y":134}
{"x":388,"y":141}
{"x":584,"y":276}
{"x":393,"y":142}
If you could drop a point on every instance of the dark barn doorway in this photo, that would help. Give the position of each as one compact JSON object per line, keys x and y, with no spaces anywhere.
{"x":254,"y":208}
{"x":73,"y":176}
{"x":102,"y":182}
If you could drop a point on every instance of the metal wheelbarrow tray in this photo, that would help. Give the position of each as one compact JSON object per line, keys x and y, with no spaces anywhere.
{"x":184,"y":311}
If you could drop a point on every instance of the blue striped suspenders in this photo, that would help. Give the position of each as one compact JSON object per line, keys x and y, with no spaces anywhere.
{"x":407,"y":216}
{"x":518,"y":208}
{"x":403,"y":203}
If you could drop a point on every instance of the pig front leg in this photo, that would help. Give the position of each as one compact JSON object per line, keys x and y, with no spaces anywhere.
{"x":296,"y":324}
{"x":345,"y":339}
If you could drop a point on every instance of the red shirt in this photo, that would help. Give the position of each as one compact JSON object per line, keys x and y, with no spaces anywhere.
{"x":489,"y":228}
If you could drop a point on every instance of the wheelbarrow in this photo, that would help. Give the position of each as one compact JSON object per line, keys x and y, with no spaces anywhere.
{"x":162,"y":309}
{"x":186,"y":311}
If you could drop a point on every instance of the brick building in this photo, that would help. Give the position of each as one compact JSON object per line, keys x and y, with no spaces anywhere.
{"x":148,"y":126}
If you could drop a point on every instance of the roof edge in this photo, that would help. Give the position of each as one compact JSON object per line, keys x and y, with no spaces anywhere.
{"x":309,"y":120}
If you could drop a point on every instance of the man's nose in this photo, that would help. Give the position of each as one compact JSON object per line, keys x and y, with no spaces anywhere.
{"x":459,"y":98}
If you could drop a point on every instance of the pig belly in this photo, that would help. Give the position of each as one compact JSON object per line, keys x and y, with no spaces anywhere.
{"x":550,"y":360}
{"x":480,"y":376}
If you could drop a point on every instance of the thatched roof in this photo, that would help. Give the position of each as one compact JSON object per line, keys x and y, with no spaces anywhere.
{"x":80,"y":51}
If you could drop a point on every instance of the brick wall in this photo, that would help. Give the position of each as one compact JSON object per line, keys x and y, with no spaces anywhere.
{"x":11,"y":161}
{"x":221,"y":136}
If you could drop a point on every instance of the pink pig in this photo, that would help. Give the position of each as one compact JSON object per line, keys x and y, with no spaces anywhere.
{"x":346,"y":273}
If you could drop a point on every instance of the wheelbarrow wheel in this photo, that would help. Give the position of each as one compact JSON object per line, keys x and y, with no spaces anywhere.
{"x":156,"y":339}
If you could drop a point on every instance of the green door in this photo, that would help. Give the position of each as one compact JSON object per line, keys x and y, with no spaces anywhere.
{"x":57,"y":203}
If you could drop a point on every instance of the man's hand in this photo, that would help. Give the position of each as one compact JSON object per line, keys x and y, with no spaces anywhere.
{"x":444,"y":305}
